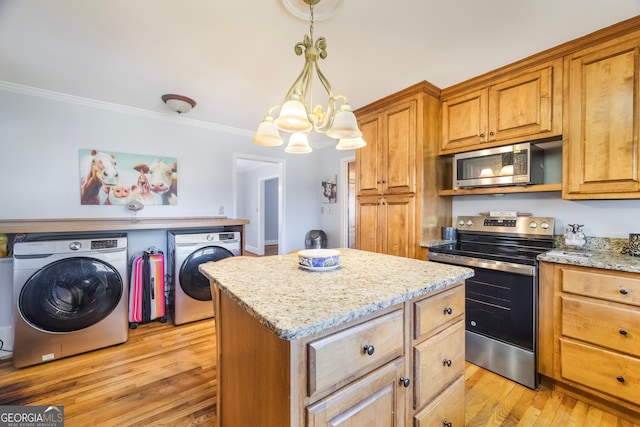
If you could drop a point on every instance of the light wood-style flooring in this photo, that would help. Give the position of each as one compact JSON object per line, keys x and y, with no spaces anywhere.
{"x":165,"y":375}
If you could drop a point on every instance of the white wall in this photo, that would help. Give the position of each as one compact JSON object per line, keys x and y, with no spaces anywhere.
{"x":601,"y":218}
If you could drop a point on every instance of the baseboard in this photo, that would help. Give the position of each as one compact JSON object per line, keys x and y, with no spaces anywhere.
{"x":254,"y":250}
{"x":271,"y":242}
{"x":6,"y":336}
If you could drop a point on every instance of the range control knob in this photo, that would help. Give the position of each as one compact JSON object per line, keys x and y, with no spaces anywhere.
{"x":469,"y":222}
{"x":533,"y":224}
{"x":461,"y":223}
{"x":545,"y":225}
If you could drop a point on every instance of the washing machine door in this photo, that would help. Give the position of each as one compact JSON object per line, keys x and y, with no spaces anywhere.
{"x":70,"y":294}
{"x":192,"y":282}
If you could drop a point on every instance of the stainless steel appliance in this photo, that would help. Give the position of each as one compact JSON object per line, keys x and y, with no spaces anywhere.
{"x":502,"y":297}
{"x":518,"y":164}
{"x":70,"y":295}
{"x":191,"y":299}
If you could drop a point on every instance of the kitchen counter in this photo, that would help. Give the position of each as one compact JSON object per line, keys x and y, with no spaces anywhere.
{"x":599,"y":259}
{"x":63,"y":225}
{"x":294,"y":303}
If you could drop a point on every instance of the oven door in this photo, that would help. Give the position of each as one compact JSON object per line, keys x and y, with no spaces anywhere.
{"x":502,"y":305}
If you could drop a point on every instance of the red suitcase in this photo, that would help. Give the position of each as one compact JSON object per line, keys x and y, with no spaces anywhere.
{"x":146,"y":290}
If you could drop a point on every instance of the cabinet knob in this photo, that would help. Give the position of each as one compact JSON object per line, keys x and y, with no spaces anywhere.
{"x":446,"y":423}
{"x":447,"y":310}
{"x":620,"y":378}
{"x":492,"y":133}
{"x":482,"y":135}
{"x":623,"y":291}
{"x":369,"y":349}
{"x":623,"y":332}
{"x":405,"y":382}
{"x":446,"y":362}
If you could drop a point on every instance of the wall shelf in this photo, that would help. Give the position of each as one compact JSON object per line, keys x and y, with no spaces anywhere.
{"x":540,"y":188}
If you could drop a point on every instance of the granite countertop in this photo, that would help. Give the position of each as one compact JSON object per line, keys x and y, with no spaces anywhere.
{"x":295,"y":303}
{"x":607,"y":260}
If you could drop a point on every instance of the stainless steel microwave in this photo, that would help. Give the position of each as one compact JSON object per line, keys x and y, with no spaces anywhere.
{"x":517,"y":164}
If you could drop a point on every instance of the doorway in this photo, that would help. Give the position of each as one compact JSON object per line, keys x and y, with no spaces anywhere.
{"x":258,"y":190}
{"x":348,"y":179}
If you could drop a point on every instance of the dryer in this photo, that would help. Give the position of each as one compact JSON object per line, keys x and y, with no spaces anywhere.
{"x":70,"y":295}
{"x":191,"y":289}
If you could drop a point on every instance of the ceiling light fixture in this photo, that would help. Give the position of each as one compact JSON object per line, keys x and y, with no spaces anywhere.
{"x":178,"y":103}
{"x":297,"y":114}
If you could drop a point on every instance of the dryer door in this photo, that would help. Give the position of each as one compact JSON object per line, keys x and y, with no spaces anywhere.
{"x":70,"y":294}
{"x":192,"y":282}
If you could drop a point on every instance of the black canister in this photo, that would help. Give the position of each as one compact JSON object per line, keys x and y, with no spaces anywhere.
{"x":449,"y":233}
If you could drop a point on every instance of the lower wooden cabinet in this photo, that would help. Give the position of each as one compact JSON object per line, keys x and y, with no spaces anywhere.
{"x":400,"y":366}
{"x":371,"y":401}
{"x":590,"y":333}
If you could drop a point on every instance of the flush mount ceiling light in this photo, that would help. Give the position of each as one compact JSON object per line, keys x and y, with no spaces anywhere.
{"x":297,"y":114}
{"x":178,"y":103}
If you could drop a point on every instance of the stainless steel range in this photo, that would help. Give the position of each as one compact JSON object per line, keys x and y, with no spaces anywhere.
{"x":502,"y":297}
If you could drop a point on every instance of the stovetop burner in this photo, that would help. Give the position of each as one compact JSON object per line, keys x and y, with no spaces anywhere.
{"x":513,"y":239}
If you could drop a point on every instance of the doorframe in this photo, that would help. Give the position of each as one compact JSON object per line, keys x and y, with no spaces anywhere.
{"x":281,"y":195}
{"x":344,"y":190}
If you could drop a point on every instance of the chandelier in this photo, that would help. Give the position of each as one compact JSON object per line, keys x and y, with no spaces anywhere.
{"x":298,"y":116}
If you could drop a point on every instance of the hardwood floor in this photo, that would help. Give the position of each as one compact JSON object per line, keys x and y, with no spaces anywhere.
{"x":165,"y":375}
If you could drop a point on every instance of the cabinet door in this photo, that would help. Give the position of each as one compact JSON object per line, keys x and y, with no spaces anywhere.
{"x":445,"y":410}
{"x":464,"y":122}
{"x":368,"y":224}
{"x":368,"y":158}
{"x":527,"y":105}
{"x":602,"y":154}
{"x":399,"y":226}
{"x":399,"y":149}
{"x":376,"y":400}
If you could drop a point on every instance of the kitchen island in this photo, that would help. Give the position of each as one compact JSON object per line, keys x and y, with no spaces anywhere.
{"x":299,"y":347}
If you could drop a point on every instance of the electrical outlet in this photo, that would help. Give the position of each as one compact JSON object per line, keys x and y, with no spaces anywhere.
{"x":330,"y":211}
{"x":221,"y":210}
{"x":321,"y":209}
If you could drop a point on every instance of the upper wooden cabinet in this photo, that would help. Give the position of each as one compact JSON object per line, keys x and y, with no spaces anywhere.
{"x":524,"y":106}
{"x":387,"y":164}
{"x":399,"y":173}
{"x":601,"y":154}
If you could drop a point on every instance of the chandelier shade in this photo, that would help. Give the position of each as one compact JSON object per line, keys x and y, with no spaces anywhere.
{"x":351,"y":144}
{"x":267,"y":134}
{"x":297,"y":114}
{"x":298,"y":144}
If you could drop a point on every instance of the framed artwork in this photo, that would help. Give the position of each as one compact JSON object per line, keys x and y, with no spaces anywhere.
{"x":109,"y":178}
{"x":330,"y":189}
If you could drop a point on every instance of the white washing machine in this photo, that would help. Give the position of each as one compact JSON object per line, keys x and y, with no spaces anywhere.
{"x":187,"y":250}
{"x":70,"y":295}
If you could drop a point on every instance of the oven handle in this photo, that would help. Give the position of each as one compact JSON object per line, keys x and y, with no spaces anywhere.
{"x":522,"y":269}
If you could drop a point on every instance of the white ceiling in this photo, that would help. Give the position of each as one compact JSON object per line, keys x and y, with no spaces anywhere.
{"x":236,"y":58}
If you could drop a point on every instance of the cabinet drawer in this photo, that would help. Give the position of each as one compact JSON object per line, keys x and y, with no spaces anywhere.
{"x":438,"y":361}
{"x":447,"y":408}
{"x":434,"y":312}
{"x":613,"y":326}
{"x":342,"y":357}
{"x":607,"y":371}
{"x":618,"y":287}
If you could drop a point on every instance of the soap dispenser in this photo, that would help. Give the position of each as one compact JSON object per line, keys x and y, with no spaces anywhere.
{"x":574,"y":237}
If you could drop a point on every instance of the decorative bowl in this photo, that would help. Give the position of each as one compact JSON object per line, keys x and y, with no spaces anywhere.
{"x":319,"y":257}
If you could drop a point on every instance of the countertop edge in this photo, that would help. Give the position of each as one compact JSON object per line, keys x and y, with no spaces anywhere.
{"x":601,"y":260}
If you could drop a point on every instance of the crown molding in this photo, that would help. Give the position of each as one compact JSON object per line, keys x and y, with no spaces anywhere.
{"x":118,"y":108}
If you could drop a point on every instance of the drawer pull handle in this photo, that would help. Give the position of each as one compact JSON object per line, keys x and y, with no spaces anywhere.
{"x":623,"y":332}
{"x":620,"y":378}
{"x":447,"y":310}
{"x":623,"y":291}
{"x":446,"y":362}
{"x":446,"y":423}
{"x":369,"y":349}
{"x":405,"y":382}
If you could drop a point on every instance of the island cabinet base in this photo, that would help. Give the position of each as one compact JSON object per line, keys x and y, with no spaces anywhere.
{"x":357,"y":373}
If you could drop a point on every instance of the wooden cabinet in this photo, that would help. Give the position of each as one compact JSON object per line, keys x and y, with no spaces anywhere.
{"x":399,"y":173}
{"x":524,"y":106}
{"x":386,"y":225}
{"x":590,"y":332}
{"x":601,"y":154}
{"x":400,"y":366}
{"x":439,"y":359}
